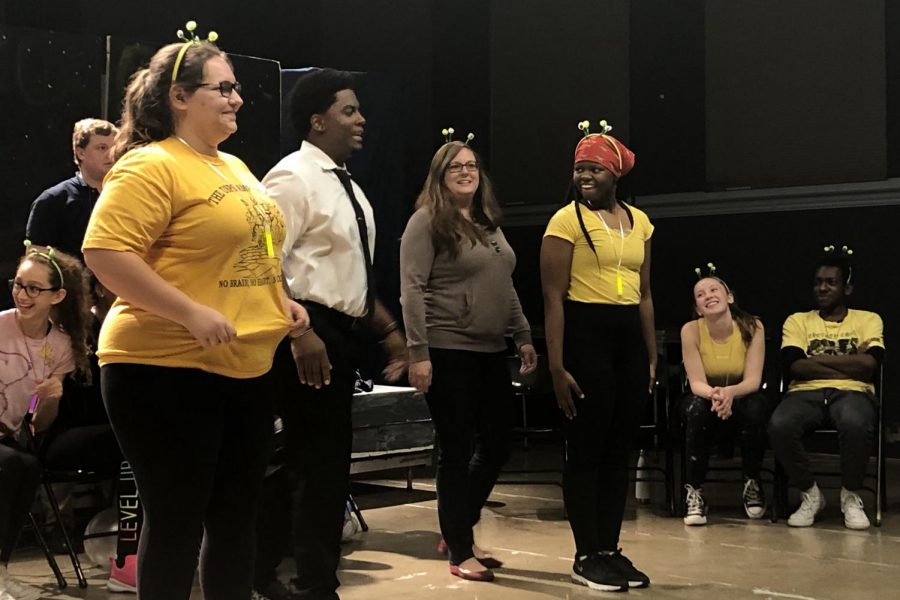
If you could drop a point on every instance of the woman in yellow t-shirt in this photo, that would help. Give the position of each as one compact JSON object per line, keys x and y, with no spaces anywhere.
{"x":186,"y":238}
{"x":724,"y":351}
{"x":601,"y":346}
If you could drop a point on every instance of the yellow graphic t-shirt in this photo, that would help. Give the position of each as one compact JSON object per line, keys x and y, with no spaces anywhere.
{"x":816,"y":336}
{"x":593,"y":276}
{"x":206,"y":226}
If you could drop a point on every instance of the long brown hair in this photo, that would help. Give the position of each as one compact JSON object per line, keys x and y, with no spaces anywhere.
{"x":746,"y":322}
{"x":146,"y":113}
{"x":450,"y":229}
{"x":72,"y":315}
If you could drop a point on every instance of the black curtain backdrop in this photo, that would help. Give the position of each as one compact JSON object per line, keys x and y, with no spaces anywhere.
{"x":48,"y":81}
{"x":801,"y":104}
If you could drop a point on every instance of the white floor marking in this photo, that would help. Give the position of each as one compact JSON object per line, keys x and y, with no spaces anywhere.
{"x":410,"y":576}
{"x":765,"y":592}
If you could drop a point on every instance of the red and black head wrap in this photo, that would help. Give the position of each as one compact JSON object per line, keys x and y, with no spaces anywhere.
{"x":607,"y":151}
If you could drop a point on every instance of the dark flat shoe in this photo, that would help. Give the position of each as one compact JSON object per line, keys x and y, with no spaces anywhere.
{"x":490,"y":562}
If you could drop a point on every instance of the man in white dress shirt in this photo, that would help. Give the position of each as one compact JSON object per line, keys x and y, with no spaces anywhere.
{"x":328,"y":250}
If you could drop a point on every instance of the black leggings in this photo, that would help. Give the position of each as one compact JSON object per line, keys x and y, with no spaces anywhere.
{"x":702,"y":427}
{"x":471,"y":404}
{"x":20,"y":475}
{"x":604,"y":350}
{"x":198,"y":444}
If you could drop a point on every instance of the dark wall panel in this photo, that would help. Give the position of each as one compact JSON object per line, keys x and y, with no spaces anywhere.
{"x":795,"y":92}
{"x":668,"y":122}
{"x":47,"y":82}
{"x":892,"y":52}
{"x":548,"y":72}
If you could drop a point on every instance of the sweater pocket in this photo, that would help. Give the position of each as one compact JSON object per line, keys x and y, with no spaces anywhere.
{"x":451,"y":311}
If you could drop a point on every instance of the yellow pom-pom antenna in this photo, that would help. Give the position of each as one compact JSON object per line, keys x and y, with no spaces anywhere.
{"x":189,"y":39}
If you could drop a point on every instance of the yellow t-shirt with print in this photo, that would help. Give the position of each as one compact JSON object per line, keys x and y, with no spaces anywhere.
{"x":816,"y":336}
{"x":593,"y":276}
{"x":201,"y":223}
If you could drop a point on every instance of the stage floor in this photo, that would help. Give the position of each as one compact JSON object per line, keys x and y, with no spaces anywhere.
{"x":731,"y":557}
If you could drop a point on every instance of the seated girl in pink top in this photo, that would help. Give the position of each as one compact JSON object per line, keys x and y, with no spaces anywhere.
{"x":41,"y":340}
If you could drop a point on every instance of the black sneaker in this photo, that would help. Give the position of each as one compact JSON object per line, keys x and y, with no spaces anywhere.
{"x":598,"y":572}
{"x":754,"y":499}
{"x":636,"y":578}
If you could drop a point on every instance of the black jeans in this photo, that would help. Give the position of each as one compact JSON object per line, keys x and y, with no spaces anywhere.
{"x":319,"y":433}
{"x":20,"y":475}
{"x":605,"y":352}
{"x":853,"y":414}
{"x":198,"y":444}
{"x":470,"y":400}
{"x":702,"y":427}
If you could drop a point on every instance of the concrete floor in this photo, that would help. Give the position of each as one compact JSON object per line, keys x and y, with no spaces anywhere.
{"x":731,"y":557}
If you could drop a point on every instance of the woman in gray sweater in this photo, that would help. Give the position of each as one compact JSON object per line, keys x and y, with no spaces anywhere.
{"x":458,"y":305}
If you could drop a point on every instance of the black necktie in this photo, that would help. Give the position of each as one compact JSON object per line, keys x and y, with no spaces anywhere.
{"x":344,"y":177}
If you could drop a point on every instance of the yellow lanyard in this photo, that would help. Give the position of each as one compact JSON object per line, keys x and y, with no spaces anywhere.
{"x":267,"y":224}
{"x":619,"y":287}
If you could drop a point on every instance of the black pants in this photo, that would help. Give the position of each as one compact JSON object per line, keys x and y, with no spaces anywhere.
{"x":471,"y":405}
{"x":702,"y":427}
{"x":318,"y":434}
{"x":20,"y":475}
{"x":198,"y":444}
{"x":853,"y":414}
{"x":605,"y":352}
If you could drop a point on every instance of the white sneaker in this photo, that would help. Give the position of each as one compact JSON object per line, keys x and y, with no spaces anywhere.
{"x":14,"y":589}
{"x":695,"y":507}
{"x":812,"y":504}
{"x":852,"y":507}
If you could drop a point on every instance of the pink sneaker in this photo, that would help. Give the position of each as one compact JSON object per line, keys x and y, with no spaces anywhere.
{"x":123,"y":579}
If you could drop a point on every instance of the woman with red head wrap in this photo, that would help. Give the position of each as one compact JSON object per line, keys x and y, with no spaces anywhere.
{"x":601,"y":345}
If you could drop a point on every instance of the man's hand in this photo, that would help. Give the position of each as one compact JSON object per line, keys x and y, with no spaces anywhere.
{"x":395,"y":346}
{"x":311,"y":358}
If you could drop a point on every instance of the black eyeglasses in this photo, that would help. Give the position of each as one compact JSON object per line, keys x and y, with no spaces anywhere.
{"x":457,"y":167}
{"x":32,"y":291}
{"x":225,"y":87}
